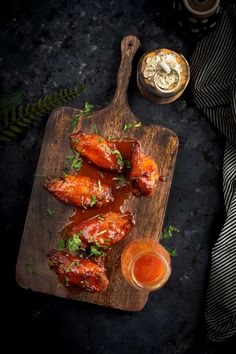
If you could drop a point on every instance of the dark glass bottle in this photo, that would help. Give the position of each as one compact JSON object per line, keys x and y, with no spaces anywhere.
{"x":196,"y":18}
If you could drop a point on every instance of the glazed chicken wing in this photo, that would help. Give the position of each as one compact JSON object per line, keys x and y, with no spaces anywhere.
{"x":78,"y":272}
{"x":80,"y":191}
{"x":98,"y":150}
{"x":104,"y":229}
{"x":144,"y":172}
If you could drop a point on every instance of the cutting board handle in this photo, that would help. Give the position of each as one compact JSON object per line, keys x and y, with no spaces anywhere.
{"x":129,"y":46}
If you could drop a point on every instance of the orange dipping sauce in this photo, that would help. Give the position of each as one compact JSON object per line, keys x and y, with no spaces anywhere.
{"x":145,"y":264}
{"x":148,"y":268}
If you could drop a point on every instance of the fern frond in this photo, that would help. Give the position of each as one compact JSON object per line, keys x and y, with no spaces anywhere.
{"x":21,"y":117}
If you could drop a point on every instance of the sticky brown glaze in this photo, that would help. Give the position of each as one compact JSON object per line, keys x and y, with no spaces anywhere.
{"x":98,"y":150}
{"x":80,"y":191}
{"x":144,"y":172}
{"x":78,"y":272}
{"x":104,"y":229}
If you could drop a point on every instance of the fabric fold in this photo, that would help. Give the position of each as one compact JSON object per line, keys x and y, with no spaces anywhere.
{"x":213,"y":79}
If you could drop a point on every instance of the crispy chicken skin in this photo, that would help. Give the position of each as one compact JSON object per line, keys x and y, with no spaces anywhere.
{"x":104,"y":229}
{"x":144,"y":172}
{"x":80,"y":191}
{"x":98,"y":150}
{"x":78,"y":272}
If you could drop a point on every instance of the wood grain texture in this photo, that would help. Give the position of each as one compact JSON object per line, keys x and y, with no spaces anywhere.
{"x":41,"y":234}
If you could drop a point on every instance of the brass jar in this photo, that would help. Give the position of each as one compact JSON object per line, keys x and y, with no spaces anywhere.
{"x":162,"y":75}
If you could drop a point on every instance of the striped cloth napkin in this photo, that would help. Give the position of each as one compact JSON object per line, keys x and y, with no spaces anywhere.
{"x":213,"y":75}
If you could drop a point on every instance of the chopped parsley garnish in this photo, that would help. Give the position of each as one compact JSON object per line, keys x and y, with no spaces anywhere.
{"x":49,"y":213}
{"x":74,"y":242}
{"x":94,"y":251}
{"x":99,"y":186}
{"x":108,"y":150}
{"x":60,"y":245}
{"x":100,"y":217}
{"x":82,"y":202}
{"x":93,"y":200}
{"x":88,"y":110}
{"x":98,"y":249}
{"x":131,"y":125}
{"x":67,"y":281}
{"x":75,"y":263}
{"x":172,"y":252}
{"x":75,"y":121}
{"x":74,"y":162}
{"x":76,"y":140}
{"x":99,"y":140}
{"x":65,"y":171}
{"x":127,"y":164}
{"x":119,"y":157}
{"x":95,"y":129}
{"x":101,"y":174}
{"x":168,"y":232}
{"x":31,"y":269}
{"x":100,"y":233}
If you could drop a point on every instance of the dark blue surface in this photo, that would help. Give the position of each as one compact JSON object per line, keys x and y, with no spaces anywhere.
{"x":56,"y":44}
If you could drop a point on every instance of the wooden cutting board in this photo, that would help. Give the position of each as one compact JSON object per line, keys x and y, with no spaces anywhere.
{"x":41,"y":233}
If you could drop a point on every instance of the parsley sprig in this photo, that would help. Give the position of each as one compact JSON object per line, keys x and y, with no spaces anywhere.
{"x":127,"y":164}
{"x":167,"y":233}
{"x":131,"y":125}
{"x":61,"y":245}
{"x":73,"y":161}
{"x":49,"y":213}
{"x":93,"y":200}
{"x":74,"y":263}
{"x":74,"y":242}
{"x":95,"y":129}
{"x":31,"y":269}
{"x":115,"y":152}
{"x":121,"y":180}
{"x":98,"y":250}
{"x":87,"y":112}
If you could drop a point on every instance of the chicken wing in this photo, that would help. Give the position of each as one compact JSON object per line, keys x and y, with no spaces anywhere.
{"x":78,"y":272}
{"x":80,"y":191}
{"x":98,"y":150}
{"x":144,"y":172}
{"x":103,"y":230}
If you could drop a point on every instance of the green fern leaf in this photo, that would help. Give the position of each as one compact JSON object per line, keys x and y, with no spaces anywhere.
{"x":22,"y":124}
{"x":27,"y":109}
{"x":5,"y":119}
{"x":22,"y":116}
{"x":40,"y":104}
{"x":8,"y":133}
{"x":21,"y":111}
{"x":16,"y":129}
{"x":26,"y":120}
{"x":13,"y":115}
{"x":4,"y":139}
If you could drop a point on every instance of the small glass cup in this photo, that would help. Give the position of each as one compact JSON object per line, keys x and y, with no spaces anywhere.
{"x":145,"y":264}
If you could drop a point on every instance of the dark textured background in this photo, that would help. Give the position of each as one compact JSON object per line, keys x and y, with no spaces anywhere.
{"x":47,"y":45}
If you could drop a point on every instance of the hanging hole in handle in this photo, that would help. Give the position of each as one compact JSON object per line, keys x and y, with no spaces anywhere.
{"x":130,"y":44}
